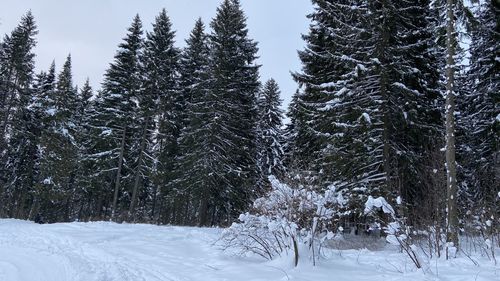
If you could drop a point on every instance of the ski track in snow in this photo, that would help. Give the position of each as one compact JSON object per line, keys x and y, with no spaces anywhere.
{"x":102,"y":251}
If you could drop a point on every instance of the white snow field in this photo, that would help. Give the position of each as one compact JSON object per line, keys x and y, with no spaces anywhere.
{"x":103,"y":251}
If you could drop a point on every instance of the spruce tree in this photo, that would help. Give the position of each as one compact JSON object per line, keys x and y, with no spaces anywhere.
{"x":22,"y":197}
{"x":85,"y":95}
{"x":16,"y":72}
{"x":114,"y":125}
{"x":82,"y":119}
{"x":43,"y":87}
{"x":235,"y":85}
{"x":333,"y":140}
{"x":158,"y":109}
{"x":194,"y":163}
{"x":16,"y":143}
{"x":366,"y":74}
{"x":408,"y":81}
{"x":270,"y":135}
{"x":93,"y":160}
{"x":59,"y":149}
{"x":480,"y":156}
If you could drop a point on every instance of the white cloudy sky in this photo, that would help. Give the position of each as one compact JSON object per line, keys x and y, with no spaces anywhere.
{"x":91,"y":30}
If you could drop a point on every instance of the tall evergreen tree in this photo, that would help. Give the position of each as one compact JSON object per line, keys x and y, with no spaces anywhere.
{"x":16,"y":144}
{"x":23,"y":195}
{"x":195,"y":166}
{"x":93,"y":160}
{"x":408,"y":81}
{"x":367,"y":72}
{"x":114,"y":125}
{"x":158,"y":102}
{"x":83,"y":118}
{"x":235,"y":84}
{"x":58,"y":149}
{"x":481,"y":120}
{"x":334,"y":134}
{"x":269,"y":133}
{"x":43,"y":90}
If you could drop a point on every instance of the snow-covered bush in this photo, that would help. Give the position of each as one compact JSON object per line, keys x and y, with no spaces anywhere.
{"x":373,"y":204}
{"x":397,"y":233}
{"x":286,"y":217}
{"x":267,"y":236}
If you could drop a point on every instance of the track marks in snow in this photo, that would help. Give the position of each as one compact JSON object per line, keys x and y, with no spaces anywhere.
{"x":102,"y":251}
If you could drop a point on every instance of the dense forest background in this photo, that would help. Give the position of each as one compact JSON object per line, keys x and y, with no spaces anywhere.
{"x":389,"y":101}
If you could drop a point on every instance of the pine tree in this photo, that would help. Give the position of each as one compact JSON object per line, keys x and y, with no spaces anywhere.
{"x":409,"y":86}
{"x":16,"y":71}
{"x":367,"y":74}
{"x":66,"y":100}
{"x":93,"y":160}
{"x":451,"y":19}
{"x":235,"y":84}
{"x":158,"y":102}
{"x":23,"y":194}
{"x":59,"y":149}
{"x":43,"y":89}
{"x":115,"y":122}
{"x":334,"y":137}
{"x":270,"y":135}
{"x":86,"y":94}
{"x":481,"y":120}
{"x":194,"y":166}
{"x":85,"y":110}
{"x":16,"y":143}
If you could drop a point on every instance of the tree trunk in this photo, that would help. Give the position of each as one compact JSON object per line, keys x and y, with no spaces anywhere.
{"x":153,"y":204}
{"x":451,"y":179}
{"x":118,"y":174}
{"x":34,"y":210}
{"x":135,"y":189}
{"x":380,"y":50}
{"x":203,"y":211}
{"x":20,"y":206}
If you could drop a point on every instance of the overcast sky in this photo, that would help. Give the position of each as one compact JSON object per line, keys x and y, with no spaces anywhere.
{"x":92,"y":29}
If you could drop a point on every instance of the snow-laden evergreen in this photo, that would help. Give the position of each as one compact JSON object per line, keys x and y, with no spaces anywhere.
{"x":17,"y":142}
{"x":270,"y":135}
{"x":58,"y":149}
{"x":195,"y":167}
{"x":368,"y":97}
{"x":234,"y":86}
{"x":159,"y":119}
{"x":114,"y":124}
{"x":480,"y":121}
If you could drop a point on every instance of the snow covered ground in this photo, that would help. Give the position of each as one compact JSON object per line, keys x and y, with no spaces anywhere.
{"x":104,"y":251}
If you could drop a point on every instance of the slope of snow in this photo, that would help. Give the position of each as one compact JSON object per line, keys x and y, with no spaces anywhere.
{"x":104,"y":251}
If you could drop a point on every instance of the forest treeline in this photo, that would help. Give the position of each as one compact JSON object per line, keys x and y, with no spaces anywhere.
{"x":190,"y":136}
